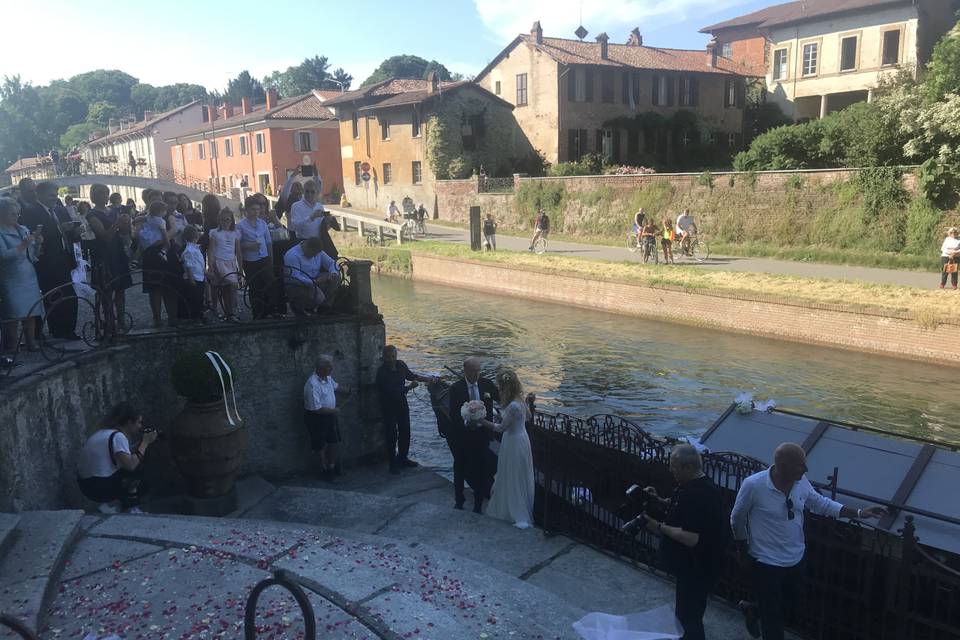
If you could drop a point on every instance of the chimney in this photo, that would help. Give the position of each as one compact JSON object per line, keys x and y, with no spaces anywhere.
{"x":211,"y":112}
{"x":434,"y":81}
{"x":603,"y":39}
{"x":536,"y":32}
{"x":712,"y":52}
{"x":147,"y":115}
{"x":271,"y":98}
{"x":244,"y":105}
{"x":635,"y":39}
{"x":226,"y":110}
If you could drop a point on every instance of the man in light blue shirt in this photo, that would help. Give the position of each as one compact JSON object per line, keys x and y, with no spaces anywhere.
{"x":311,"y":277}
{"x":256,"y":247}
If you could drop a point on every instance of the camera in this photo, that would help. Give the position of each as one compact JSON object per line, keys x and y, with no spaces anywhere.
{"x":160,"y":436}
{"x":634,"y":510}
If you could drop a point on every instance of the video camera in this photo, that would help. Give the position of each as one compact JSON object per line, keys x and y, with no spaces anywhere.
{"x":635,"y":509}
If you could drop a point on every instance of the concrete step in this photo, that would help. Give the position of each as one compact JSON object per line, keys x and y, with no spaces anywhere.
{"x":8,"y":528}
{"x":32,"y":564}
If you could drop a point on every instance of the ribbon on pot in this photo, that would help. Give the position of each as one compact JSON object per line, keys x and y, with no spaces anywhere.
{"x":222,"y":368}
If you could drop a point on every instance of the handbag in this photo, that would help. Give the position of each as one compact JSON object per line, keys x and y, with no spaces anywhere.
{"x":950,"y":267}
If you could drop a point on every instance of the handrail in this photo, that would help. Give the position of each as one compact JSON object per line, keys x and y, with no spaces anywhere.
{"x":19,"y":626}
{"x":289,"y":582}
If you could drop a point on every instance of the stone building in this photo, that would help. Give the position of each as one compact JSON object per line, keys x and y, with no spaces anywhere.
{"x":39,"y":168}
{"x":820,"y":56}
{"x":388,"y":126}
{"x":260,"y":145}
{"x":573,"y":97}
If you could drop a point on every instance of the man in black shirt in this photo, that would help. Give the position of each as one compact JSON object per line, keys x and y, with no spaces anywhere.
{"x":393,"y":377}
{"x":693,"y":536}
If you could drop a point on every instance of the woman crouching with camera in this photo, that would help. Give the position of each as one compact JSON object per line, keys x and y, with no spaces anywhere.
{"x":108,"y":465}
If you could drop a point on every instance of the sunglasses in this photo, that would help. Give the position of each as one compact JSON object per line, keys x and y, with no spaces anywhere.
{"x":790,"y":513}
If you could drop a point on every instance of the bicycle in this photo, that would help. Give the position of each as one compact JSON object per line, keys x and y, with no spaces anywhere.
{"x":650,"y":250}
{"x":540,"y":246}
{"x":696,"y":248}
{"x":633,"y":242}
{"x":408,"y":230}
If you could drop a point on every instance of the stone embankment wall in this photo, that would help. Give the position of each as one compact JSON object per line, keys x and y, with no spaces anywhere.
{"x":46,"y":417}
{"x":826,"y":325}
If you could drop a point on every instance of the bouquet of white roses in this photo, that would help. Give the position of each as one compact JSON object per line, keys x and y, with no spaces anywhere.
{"x":472,"y":412}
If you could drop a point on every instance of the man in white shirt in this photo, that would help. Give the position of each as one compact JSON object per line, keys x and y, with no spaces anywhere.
{"x":767,"y":521}
{"x":311,"y":277}
{"x":320,"y":415}
{"x":306,"y":214}
{"x":684,"y":228}
{"x":393,"y":212}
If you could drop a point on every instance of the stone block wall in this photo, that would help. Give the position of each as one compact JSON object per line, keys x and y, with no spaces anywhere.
{"x":46,"y":417}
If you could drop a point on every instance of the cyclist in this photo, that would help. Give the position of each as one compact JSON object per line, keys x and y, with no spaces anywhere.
{"x":393,"y":212}
{"x":666,"y":242}
{"x":638,"y":220}
{"x":648,"y":237}
{"x":421,"y":219}
{"x":686,"y":226}
{"x":541,"y":227}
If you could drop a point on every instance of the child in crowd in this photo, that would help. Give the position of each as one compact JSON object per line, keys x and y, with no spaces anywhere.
{"x":223,"y":264}
{"x":648,"y":238}
{"x":193,"y":273}
{"x":667,"y":241}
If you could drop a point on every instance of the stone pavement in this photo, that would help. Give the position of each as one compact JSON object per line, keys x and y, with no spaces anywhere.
{"x":383,"y":557}
{"x":921,"y":279}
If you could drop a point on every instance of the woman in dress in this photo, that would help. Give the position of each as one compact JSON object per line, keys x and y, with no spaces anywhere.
{"x":19,"y":290}
{"x":223,"y":264}
{"x":111,"y":265}
{"x":511,"y":498}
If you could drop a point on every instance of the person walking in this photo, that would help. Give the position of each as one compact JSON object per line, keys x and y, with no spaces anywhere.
{"x":394,"y":381}
{"x":949,"y":257}
{"x":19,"y":289}
{"x":132,"y":163}
{"x":321,"y":415}
{"x":490,"y":232}
{"x":767,"y":522}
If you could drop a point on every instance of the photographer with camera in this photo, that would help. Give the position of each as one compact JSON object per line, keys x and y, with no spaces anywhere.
{"x":107,"y":470}
{"x":693,"y":535}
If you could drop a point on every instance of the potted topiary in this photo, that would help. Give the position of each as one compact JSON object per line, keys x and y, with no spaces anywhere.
{"x":207,"y":439}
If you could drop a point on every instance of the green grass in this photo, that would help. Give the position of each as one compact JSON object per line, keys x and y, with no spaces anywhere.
{"x":853,"y":257}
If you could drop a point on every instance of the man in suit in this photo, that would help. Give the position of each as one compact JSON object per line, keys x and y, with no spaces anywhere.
{"x":470,"y":446}
{"x":42,"y":208}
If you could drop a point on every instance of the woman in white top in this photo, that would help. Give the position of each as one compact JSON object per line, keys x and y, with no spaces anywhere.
{"x":108,"y":464}
{"x":511,"y":498}
{"x":223,"y":264}
{"x":949,"y":257}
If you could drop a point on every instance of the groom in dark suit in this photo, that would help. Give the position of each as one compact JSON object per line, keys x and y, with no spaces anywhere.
{"x":470,"y":446}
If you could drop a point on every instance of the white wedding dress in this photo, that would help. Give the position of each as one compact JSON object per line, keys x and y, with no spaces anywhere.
{"x":511,"y":498}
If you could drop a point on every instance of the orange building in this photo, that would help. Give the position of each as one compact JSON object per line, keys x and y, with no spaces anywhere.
{"x":261,"y":145}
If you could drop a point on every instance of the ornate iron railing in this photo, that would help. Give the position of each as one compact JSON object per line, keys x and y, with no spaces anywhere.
{"x":860,"y":583}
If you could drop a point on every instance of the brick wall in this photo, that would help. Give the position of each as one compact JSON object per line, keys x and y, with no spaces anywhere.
{"x":828,"y":325}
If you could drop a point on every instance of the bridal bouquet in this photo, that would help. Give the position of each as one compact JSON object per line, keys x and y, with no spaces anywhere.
{"x":472,"y":412}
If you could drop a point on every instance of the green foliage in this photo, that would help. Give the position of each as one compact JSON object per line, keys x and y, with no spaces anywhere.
{"x":939,"y":182}
{"x":881,"y":188}
{"x":705,"y":179}
{"x":244,"y":86}
{"x":790,"y":147}
{"x":922,"y":227}
{"x":492,"y":126}
{"x":195,"y":379}
{"x":541,"y":194}
{"x":100,"y":113}
{"x":312,"y":73}
{"x":406,"y":66}
{"x":793,"y":183}
{"x":568,"y":169}
{"x":943,"y":71}
{"x":77,"y":134}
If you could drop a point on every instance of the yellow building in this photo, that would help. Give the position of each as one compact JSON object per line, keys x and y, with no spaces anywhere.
{"x":573,"y":97}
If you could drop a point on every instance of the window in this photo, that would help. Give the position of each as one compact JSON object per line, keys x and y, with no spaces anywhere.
{"x":521,"y":89}
{"x":576,"y":144}
{"x":305,"y":140}
{"x":387,"y":173}
{"x":201,"y":154}
{"x":588,"y":85}
{"x":417,"y":172}
{"x":355,"y":122}
{"x":726,"y":50}
{"x":261,"y":145}
{"x":189,"y":151}
{"x":213,"y":148}
{"x":891,"y":47}
{"x":662,"y":91}
{"x":384,"y":128}
{"x":733,"y":94}
{"x":228,"y":147}
{"x":356,"y":173}
{"x":810,"y":59}
{"x":263,"y":181}
{"x":243,"y":145}
{"x":780,"y":65}
{"x":606,"y":86}
{"x":579,"y":86}
{"x":689,"y":92}
{"x":630,"y":87}
{"x":496,"y":87}
{"x":415,"y":124}
{"x":848,"y":53}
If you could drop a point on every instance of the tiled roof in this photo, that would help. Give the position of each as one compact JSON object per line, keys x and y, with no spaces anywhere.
{"x":631,"y":56}
{"x":388,"y":87}
{"x":324,"y":95}
{"x":799,"y":11}
{"x":27,"y":163}
{"x":141,"y":126}
{"x":414,"y":96}
{"x":303,"y":107}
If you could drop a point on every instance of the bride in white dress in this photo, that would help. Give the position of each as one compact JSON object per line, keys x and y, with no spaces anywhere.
{"x":511,"y":498}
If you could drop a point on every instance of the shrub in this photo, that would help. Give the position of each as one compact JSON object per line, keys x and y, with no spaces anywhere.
{"x":195,"y":379}
{"x":939,"y":182}
{"x":793,"y":183}
{"x":537,"y":194}
{"x":705,"y":179}
{"x":922,"y":227}
{"x":568,"y":169}
{"x":789,"y":147}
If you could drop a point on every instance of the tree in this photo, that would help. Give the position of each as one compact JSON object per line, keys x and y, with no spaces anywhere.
{"x":343,"y":78}
{"x":406,"y":66}
{"x":943,"y":71}
{"x":101,"y":112}
{"x":103,"y":85}
{"x":176,"y":95}
{"x":312,"y":73}
{"x":143,"y":97}
{"x":244,"y":86}
{"x":78,"y":134}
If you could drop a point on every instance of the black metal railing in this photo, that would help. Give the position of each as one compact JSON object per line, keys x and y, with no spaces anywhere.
{"x":18,"y":626}
{"x":861,"y":583}
{"x":286,"y":581}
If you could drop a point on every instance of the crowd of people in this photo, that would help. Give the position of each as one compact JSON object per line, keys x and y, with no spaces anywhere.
{"x":192,"y":261}
{"x":649,"y":232}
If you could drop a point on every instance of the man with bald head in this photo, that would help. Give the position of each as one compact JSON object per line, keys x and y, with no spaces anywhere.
{"x":767,"y":521}
{"x":470,"y":444}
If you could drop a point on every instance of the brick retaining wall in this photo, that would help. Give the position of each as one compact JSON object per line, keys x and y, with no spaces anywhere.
{"x":810,"y":324}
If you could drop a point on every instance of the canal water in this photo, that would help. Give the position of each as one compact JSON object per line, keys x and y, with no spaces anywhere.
{"x":671,"y":379}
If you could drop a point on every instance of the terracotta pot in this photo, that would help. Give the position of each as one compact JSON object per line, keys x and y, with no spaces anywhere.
{"x":207,"y":448}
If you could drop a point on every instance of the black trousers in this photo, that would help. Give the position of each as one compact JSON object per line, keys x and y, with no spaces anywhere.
{"x":469,"y":451}
{"x":193,"y":294}
{"x":125,"y":486}
{"x":396,"y":431}
{"x":259,"y":273}
{"x":776,"y":590}
{"x":943,"y":274}
{"x":60,"y":307}
{"x":691,"y":603}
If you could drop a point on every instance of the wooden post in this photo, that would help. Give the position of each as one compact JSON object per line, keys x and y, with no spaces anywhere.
{"x":360,"y":228}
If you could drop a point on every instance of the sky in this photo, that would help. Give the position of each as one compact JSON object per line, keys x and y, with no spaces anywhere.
{"x":208,"y":41}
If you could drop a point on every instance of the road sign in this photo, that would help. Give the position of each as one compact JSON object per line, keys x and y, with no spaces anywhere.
{"x":365,"y":167}
{"x":365,"y":176}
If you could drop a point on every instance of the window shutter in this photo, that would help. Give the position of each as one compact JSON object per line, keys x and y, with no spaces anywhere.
{"x":571,"y":144}
{"x":670,"y":91}
{"x":741,"y":94}
{"x":572,"y":85}
{"x":655,"y":93}
{"x":296,"y":141}
{"x":726,"y":93}
{"x":588,"y":77}
{"x":625,"y":87}
{"x":694,"y":92}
